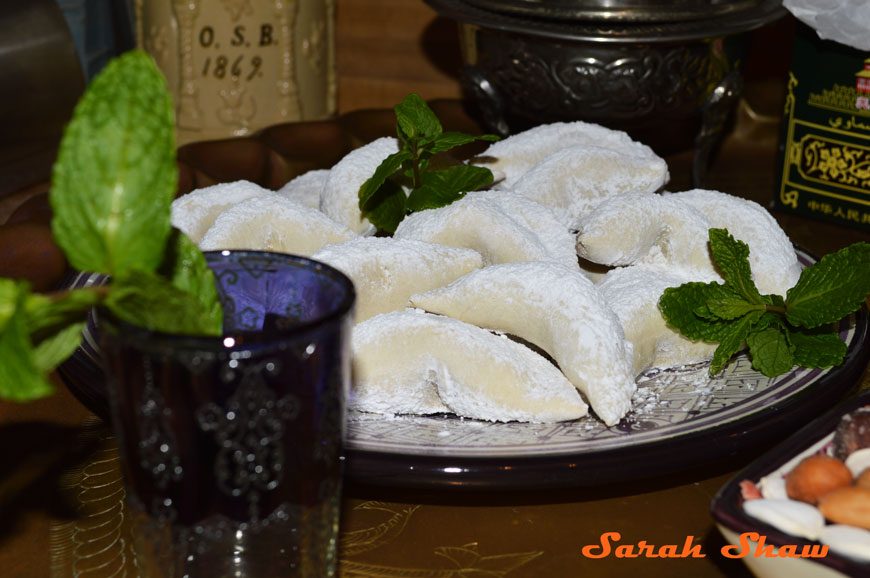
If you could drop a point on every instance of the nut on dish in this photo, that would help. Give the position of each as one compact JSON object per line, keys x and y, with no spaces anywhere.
{"x":816,"y":476}
{"x":849,"y":505}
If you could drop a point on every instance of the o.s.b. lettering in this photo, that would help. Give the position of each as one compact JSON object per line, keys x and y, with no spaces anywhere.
{"x":266,"y":38}
{"x":206,"y":36}
{"x":238,"y":36}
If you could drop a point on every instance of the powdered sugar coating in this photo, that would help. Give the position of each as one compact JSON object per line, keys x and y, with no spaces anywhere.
{"x":194,"y":212}
{"x":386,"y":271}
{"x":772,"y":258}
{"x":517,"y":154}
{"x":305,"y":188}
{"x":339,"y":198}
{"x":501,"y":226}
{"x":550,"y":226}
{"x":574,"y":180}
{"x":633,"y":293}
{"x":273,"y":223}
{"x":412,"y":362}
{"x":559,"y":310}
{"x":386,"y":380}
{"x":646,"y":228}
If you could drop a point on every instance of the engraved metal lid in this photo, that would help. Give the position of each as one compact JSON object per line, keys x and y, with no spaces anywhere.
{"x":619,"y":10}
{"x":615,"y":21}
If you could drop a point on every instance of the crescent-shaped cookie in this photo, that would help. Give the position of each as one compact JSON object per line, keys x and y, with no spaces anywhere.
{"x":501,"y":226}
{"x":576,"y":179}
{"x":633,"y":293}
{"x":645,"y":228}
{"x":339,"y":198}
{"x":196,"y":211}
{"x":557,"y":309}
{"x":386,"y":271}
{"x":305,"y":188}
{"x":518,"y":153}
{"x":772,"y":258}
{"x":414,"y":362}
{"x":273,"y":223}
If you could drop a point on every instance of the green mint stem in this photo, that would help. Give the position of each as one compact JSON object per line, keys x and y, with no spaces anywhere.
{"x":415,"y":151}
{"x":778,"y":309}
{"x":99,"y":291}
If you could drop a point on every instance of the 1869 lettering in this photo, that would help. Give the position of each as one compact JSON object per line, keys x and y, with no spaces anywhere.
{"x":239,"y":65}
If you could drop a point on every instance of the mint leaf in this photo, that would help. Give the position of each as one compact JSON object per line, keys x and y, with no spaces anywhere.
{"x":415,"y":119}
{"x":770,"y":351}
{"x":388,"y":207}
{"x":732,"y":258}
{"x":154,"y":303}
{"x":441,"y":188}
{"x":53,"y":324}
{"x":449,"y":140}
{"x":731,"y":340}
{"x":9,"y":291}
{"x":115,"y":174}
{"x":685,"y":309}
{"x":54,"y":349}
{"x":185,"y":266}
{"x":817,"y":350}
{"x":830,"y":289}
{"x":20,"y":378}
{"x":731,"y":307}
{"x":369,"y":192}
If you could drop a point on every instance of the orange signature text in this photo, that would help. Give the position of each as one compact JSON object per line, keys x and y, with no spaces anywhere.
{"x":751,"y":544}
{"x":605,"y":548}
{"x":755,"y":544}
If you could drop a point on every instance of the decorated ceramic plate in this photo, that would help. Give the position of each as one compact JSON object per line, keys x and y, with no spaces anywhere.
{"x":681,"y":417}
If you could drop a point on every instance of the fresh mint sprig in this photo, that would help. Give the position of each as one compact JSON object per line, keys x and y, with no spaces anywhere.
{"x":382,"y":198}
{"x":112,"y":186}
{"x":779,"y":332}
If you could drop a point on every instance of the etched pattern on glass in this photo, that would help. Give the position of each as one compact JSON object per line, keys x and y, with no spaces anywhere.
{"x":248,"y":429}
{"x":158,"y":448}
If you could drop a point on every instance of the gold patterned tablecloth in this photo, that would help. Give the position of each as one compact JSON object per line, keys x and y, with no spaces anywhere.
{"x":392,"y":533}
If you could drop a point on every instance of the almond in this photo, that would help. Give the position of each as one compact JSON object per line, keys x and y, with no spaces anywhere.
{"x":849,"y":505}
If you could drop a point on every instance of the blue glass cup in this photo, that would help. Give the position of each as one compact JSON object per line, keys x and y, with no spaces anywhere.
{"x":231,"y":447}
